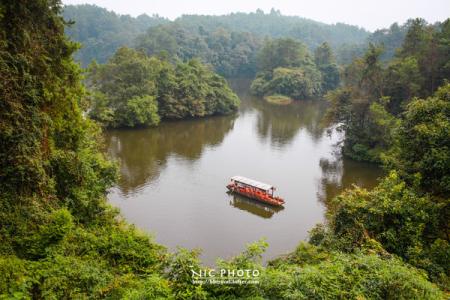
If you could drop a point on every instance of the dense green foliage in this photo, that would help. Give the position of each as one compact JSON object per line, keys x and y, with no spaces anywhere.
{"x":311,"y":272}
{"x":230,"y":53}
{"x":296,"y":83}
{"x":326,"y":63}
{"x":283,"y":53}
{"x":124,"y":90}
{"x":229,"y":42}
{"x":60,"y":240}
{"x":407,"y":213}
{"x":395,"y":218}
{"x":102,"y":32}
{"x":315,"y":272}
{"x":385,"y":121}
{"x":390,"y":38}
{"x":287,"y":68}
{"x":132,"y":89}
{"x":275,"y":25}
{"x":421,"y":150}
{"x":375,"y":95}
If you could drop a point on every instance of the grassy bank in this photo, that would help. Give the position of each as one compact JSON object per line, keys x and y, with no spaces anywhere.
{"x":278,"y":99}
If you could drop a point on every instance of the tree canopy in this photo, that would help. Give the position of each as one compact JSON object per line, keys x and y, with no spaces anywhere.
{"x":133,"y":89}
{"x":374,"y":94}
{"x":396,"y":115}
{"x":421,"y":148}
{"x":102,"y":32}
{"x":59,"y":239}
{"x":228,"y":42}
{"x":230,"y":53}
{"x":287,"y":68}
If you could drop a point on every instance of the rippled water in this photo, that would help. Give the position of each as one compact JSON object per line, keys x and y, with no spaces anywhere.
{"x":174,"y":176}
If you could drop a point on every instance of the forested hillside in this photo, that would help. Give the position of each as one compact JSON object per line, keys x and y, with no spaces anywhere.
{"x":226,"y":42}
{"x":398,"y":114}
{"x":59,"y":239}
{"x":374,"y":94}
{"x":230,"y":53}
{"x":229,"y":42}
{"x":101,"y":32}
{"x":275,"y":25}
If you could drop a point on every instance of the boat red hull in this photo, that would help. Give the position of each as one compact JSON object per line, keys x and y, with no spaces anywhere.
{"x":256,"y":194}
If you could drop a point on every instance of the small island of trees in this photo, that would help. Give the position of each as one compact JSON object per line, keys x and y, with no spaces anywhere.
{"x":286,"y":68}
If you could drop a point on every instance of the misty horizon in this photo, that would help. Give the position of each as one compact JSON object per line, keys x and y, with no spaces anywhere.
{"x":369,"y":16}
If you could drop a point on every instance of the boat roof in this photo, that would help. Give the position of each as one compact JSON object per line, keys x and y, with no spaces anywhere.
{"x":245,"y":180}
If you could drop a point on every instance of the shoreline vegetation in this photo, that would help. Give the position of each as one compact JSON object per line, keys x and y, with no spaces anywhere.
{"x":285,"y":67}
{"x":59,"y":239}
{"x":134,"y":90}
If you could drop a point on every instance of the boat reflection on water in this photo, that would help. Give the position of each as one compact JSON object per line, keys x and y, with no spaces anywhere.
{"x":255,"y":207}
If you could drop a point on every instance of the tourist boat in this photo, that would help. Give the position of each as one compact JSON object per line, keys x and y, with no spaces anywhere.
{"x":255,"y":190}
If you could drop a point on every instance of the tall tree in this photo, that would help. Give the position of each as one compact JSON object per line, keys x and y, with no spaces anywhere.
{"x":283,"y":52}
{"x":323,"y":55}
{"x":326,"y":63}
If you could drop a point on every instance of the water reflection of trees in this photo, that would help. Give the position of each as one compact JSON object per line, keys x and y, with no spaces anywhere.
{"x":339,"y":173}
{"x":143,"y":152}
{"x":281,"y":123}
{"x":254,"y":207}
{"x":241,"y":86}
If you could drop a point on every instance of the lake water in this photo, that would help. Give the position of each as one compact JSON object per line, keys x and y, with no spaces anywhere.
{"x":173,"y":177}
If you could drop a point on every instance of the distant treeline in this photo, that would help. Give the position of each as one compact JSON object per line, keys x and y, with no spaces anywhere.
{"x":230,"y":53}
{"x":227,"y":42}
{"x":102,"y":32}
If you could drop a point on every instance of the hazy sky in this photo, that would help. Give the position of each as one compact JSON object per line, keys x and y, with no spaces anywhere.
{"x":368,"y":14}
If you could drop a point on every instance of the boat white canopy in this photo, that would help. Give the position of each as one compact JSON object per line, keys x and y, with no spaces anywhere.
{"x":254,"y":183}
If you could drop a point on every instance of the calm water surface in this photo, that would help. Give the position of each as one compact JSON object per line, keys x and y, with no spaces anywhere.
{"x":173,"y":177}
